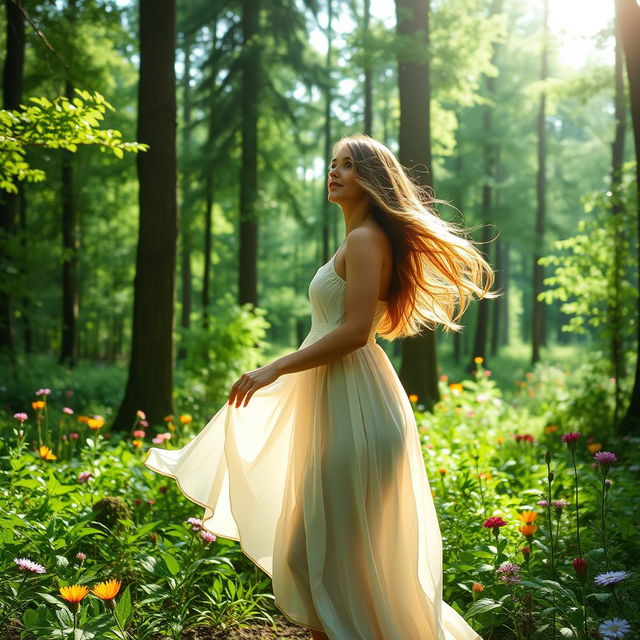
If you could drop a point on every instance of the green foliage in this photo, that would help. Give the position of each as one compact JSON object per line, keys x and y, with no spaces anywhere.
{"x":232,"y":344}
{"x":61,"y":124}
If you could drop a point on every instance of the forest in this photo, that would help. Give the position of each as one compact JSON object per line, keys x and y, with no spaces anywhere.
{"x":163,"y":208}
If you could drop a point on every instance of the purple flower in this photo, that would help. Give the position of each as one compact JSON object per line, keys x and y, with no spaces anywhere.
{"x":24,"y":564}
{"x":207,"y":536}
{"x":21,"y":416}
{"x":605,"y":458}
{"x":509,"y":572}
{"x":83,"y":476}
{"x":610,"y":577}
{"x":195,"y":523}
{"x":571,"y":438}
{"x":542,"y":503}
{"x":43,"y":392}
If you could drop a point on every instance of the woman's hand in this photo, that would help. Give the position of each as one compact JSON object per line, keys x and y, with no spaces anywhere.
{"x":248,"y":383}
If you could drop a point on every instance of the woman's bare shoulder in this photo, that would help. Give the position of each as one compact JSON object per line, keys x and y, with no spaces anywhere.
{"x":371,"y":237}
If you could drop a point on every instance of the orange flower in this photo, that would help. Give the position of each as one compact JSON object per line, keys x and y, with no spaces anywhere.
{"x":433,"y":493}
{"x":499,"y":439}
{"x":456,"y":388}
{"x":83,"y":418}
{"x":478,"y":359}
{"x":528,"y":529}
{"x":413,"y":397}
{"x":477,"y":586}
{"x":46,"y":453}
{"x":171,"y":426}
{"x":137,"y":443}
{"x":96,"y":422}
{"x":528,"y":516}
{"x":168,"y":418}
{"x":595,"y":447}
{"x":442,"y":471}
{"x":185,"y":418}
{"x":106,"y":590}
{"x":38,"y":404}
{"x":74,"y":593}
{"x":551,"y":428}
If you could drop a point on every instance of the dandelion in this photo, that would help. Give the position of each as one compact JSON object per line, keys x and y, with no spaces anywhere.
{"x":83,"y":476}
{"x":614,"y":628}
{"x":610,"y":577}
{"x":24,"y":564}
{"x":207,"y":537}
{"x":21,"y":416}
{"x":196,"y":523}
{"x":67,"y":410}
{"x":46,"y":453}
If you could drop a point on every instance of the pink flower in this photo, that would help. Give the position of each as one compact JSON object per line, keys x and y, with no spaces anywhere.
{"x":571,"y":438}
{"x":509,"y":572}
{"x":207,"y":537}
{"x":24,"y":564}
{"x":138,"y":433}
{"x":150,"y":501}
{"x":495,"y":522}
{"x":67,"y":410}
{"x":144,"y":423}
{"x":542,"y":503}
{"x":141,"y":414}
{"x":471,"y":413}
{"x":68,"y":393}
{"x":166,"y":435}
{"x":137,"y":502}
{"x":81,"y":556}
{"x":196,"y":523}
{"x":21,"y":416}
{"x":157,"y":440}
{"x":74,"y":435}
{"x":605,"y":458}
{"x":43,"y":392}
{"x":487,"y":372}
{"x":83,"y":476}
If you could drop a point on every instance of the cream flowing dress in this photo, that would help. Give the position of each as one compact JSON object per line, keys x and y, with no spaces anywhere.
{"x":321,"y":480}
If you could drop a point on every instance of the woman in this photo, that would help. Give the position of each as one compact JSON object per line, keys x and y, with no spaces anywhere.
{"x":314,"y":464}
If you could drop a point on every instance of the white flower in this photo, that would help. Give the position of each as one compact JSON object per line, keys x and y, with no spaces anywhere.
{"x":616,"y":628}
{"x":610,"y":577}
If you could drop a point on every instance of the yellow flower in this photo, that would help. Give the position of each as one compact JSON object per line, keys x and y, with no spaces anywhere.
{"x":551,"y":428}
{"x":106,"y":590}
{"x":185,"y":418}
{"x":442,"y":471}
{"x":95,"y":423}
{"x":38,"y":404}
{"x":413,"y":397}
{"x":74,"y":593}
{"x":433,"y":493}
{"x":499,"y":439}
{"x":528,"y":516}
{"x":137,"y":443}
{"x":456,"y":388}
{"x":477,"y":586}
{"x":528,"y":529}
{"x":46,"y":453}
{"x":595,"y":447}
{"x":478,"y":359}
{"x":171,"y":426}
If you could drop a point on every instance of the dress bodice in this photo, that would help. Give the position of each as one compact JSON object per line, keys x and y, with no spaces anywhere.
{"x":326,"y":294}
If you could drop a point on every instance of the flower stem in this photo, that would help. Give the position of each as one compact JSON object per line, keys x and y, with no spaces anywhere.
{"x":575,"y":471}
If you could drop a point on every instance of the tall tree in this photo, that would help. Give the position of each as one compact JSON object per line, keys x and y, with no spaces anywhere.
{"x":418,"y":370}
{"x":538,"y":306}
{"x":328,"y":142}
{"x":149,"y":385}
{"x":368,"y":74}
{"x":12,"y":80}
{"x":628,"y":24}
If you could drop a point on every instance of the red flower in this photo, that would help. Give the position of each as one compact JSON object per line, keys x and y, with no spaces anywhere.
{"x":580,"y":566}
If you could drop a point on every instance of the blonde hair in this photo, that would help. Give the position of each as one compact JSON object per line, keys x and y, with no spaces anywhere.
{"x":436,"y":270}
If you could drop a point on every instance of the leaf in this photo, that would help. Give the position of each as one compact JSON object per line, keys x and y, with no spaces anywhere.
{"x":123,"y":607}
{"x":171,"y":563}
{"x":482,"y":606}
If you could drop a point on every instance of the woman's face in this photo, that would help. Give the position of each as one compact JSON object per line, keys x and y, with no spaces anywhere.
{"x":341,"y":180}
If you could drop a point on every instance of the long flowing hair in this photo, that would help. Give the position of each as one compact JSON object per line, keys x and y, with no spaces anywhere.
{"x":436,"y":269}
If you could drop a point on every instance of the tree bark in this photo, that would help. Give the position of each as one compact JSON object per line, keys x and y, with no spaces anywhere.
{"x":149,"y":385}
{"x":418,"y":369}
{"x":368,"y":75}
{"x":628,"y":23}
{"x":328,"y":142}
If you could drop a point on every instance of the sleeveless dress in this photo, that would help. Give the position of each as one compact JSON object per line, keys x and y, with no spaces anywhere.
{"x":321,"y":480}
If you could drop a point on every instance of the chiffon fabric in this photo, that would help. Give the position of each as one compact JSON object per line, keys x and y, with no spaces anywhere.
{"x":321,"y":480}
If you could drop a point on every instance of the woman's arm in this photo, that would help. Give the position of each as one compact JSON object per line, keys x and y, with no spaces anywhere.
{"x":364,"y":257}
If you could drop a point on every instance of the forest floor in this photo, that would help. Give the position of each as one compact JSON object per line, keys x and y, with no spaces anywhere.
{"x":285,"y":630}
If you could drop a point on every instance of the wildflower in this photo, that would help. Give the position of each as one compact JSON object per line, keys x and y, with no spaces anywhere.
{"x":68,"y":393}
{"x":580,"y":566}
{"x":141,"y":414}
{"x":500,"y":440}
{"x":456,"y":388}
{"x":207,"y":537}
{"x":46,"y":453}
{"x":594,"y":447}
{"x":74,"y":435}
{"x":559,"y":505}
{"x":83,"y":418}
{"x":495,"y":522}
{"x":478,"y":359}
{"x":605,"y":458}
{"x":144,"y":423}
{"x":73,"y":595}
{"x":37,"y":404}
{"x":166,"y":435}
{"x":95,"y":423}
{"x":137,"y":502}
{"x":542,"y":503}
{"x":81,"y":557}
{"x":412,"y":398}
{"x":196,"y":523}
{"x":482,"y":397}
{"x":476,"y":586}
{"x":24,"y":564}
{"x":470,"y":413}
{"x":168,"y":418}
{"x":571,"y":438}
{"x":509,"y":572}
{"x":157,"y":440}
{"x":163,"y":489}
{"x":528,"y":530}
{"x":525,"y":551}
{"x":107,"y":591}
{"x":20,"y":416}
{"x":552,"y":428}
{"x":444,"y":378}
{"x":83,"y":476}
{"x":528,"y":516}
{"x":487,"y":372}
{"x":43,"y":392}
{"x":67,"y":410}
{"x":150,"y":501}
{"x":614,"y":628}
{"x":137,"y":443}
{"x":610,"y":577}
{"x":442,"y":471}
{"x":138,"y":433}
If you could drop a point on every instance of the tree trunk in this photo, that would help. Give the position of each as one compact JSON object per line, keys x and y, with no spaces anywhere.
{"x":328,"y":142}
{"x":149,"y":386}
{"x":12,"y":78}
{"x":504,"y":299}
{"x":185,"y":213}
{"x":496,"y":316}
{"x":248,"y":268}
{"x":628,"y":22}
{"x":24,"y":247}
{"x":538,"y":306}
{"x":207,"y":250}
{"x":368,"y":75}
{"x":418,"y":369}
